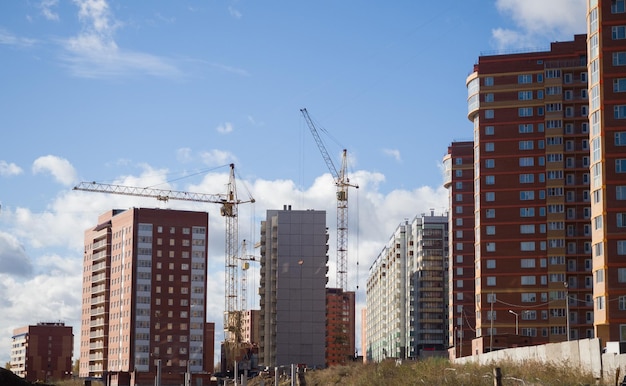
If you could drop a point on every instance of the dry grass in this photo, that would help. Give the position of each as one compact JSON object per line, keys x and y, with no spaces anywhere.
{"x":442,"y":372}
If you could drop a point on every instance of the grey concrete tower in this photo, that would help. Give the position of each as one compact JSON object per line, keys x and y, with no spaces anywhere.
{"x":294,"y":267}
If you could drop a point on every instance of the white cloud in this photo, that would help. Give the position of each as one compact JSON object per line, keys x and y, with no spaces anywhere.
{"x":94,"y":52}
{"x":59,"y":168}
{"x":184,"y":155}
{"x":217,"y":157}
{"x":394,"y":153}
{"x":225,"y":128}
{"x":234,"y":12}
{"x":9,"y":39}
{"x":13,"y":257}
{"x":47,"y":9}
{"x":538,"y":20}
{"x":9,"y":169}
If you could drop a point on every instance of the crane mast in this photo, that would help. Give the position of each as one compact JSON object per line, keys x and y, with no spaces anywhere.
{"x":343,"y":183}
{"x":229,"y":210}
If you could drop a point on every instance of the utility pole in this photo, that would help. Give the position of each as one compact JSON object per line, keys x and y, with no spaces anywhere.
{"x":491,"y":328}
{"x":566,"y":309}
{"x":516,"y":321}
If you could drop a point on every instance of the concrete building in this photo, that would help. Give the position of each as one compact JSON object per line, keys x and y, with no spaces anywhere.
{"x":144,"y":297}
{"x":532,"y":203}
{"x":43,"y":352}
{"x":340,"y":326}
{"x":459,"y":180}
{"x":606,"y":30}
{"x":250,"y":326}
{"x":407,"y":292}
{"x":294,"y":268}
{"x":427,"y":283}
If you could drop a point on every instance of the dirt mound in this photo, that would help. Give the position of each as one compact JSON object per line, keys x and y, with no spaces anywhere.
{"x":7,"y":378}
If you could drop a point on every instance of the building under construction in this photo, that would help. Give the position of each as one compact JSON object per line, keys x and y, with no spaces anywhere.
{"x":294,"y":268}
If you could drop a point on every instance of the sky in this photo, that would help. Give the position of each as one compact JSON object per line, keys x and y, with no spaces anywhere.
{"x":166,"y":94}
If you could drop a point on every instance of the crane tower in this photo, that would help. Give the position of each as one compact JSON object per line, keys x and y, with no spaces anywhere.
{"x":343,"y":183}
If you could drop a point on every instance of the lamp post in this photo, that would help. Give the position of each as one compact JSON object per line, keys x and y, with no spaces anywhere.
{"x":516,"y":321}
{"x":566,"y":310}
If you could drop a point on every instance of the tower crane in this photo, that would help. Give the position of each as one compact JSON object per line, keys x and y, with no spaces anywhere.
{"x":229,"y":210}
{"x":245,"y":258}
{"x":343,"y":183}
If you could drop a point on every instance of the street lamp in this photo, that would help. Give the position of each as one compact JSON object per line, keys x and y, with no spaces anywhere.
{"x":566,"y":309}
{"x":516,"y":321}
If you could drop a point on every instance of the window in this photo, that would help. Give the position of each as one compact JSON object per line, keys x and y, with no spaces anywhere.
{"x":491,"y":281}
{"x":489,"y":114}
{"x":529,"y":297}
{"x":617,"y":6}
{"x":620,"y":192}
{"x":620,"y":165}
{"x":527,"y":229}
{"x":526,"y":161}
{"x":489,"y":130}
{"x":489,"y":146}
{"x":621,"y":220}
{"x":550,"y":74}
{"x":491,"y":247}
{"x":490,"y":196}
{"x":529,"y":280}
{"x":525,"y":128}
{"x":489,"y":81}
{"x":621,"y":247}
{"x":489,"y":97}
{"x":619,"y":58}
{"x":619,"y":112}
{"x":523,"y":112}
{"x":527,"y":212}
{"x":525,"y":78}
{"x":618,"y":32}
{"x":524,"y":95}
{"x":527,"y":195}
{"x":527,"y":246}
{"x":490,"y":163}
{"x":525,"y":145}
{"x":621,"y":275}
{"x":491,"y":213}
{"x":490,"y":180}
{"x":526,"y":178}
{"x":619,"y":85}
{"x":620,"y":138}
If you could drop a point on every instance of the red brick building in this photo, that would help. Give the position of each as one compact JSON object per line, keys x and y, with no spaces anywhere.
{"x":459,"y":180}
{"x":43,"y":352}
{"x":340,"y":326}
{"x":144,"y":297}
{"x":606,"y":28}
{"x":531,"y":186}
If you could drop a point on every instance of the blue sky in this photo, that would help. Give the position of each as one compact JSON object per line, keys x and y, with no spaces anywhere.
{"x":166,"y":93}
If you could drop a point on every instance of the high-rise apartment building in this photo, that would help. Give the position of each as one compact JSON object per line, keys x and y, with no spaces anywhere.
{"x":294,"y":268}
{"x":144,"y":297}
{"x":386,"y":295}
{"x":532,"y":203}
{"x":459,"y":180}
{"x":606,"y":29}
{"x":407,"y":309}
{"x":340,"y":326}
{"x":43,"y":352}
